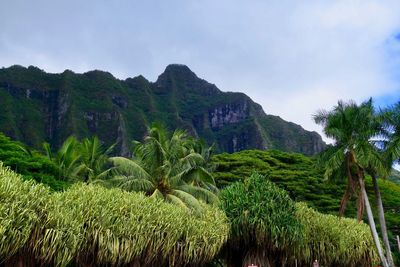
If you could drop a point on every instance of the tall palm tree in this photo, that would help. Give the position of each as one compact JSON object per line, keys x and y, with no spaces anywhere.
{"x":391,"y":145}
{"x":167,"y":166}
{"x":352,"y":127}
{"x":94,"y":159}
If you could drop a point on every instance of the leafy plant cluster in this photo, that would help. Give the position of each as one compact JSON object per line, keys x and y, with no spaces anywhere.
{"x":31,"y":164}
{"x":303,"y":179}
{"x":89,"y":225}
{"x":334,"y":241}
{"x":270,"y":229}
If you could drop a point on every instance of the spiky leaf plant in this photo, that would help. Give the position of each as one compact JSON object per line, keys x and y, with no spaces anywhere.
{"x":89,"y":225}
{"x":21,"y":206}
{"x":119,"y":227}
{"x":59,"y":238}
{"x":264,"y":226}
{"x":334,"y":241}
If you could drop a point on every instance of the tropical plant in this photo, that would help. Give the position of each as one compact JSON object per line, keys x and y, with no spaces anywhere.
{"x":167,"y":166}
{"x":89,"y":225}
{"x":304,"y":181}
{"x":264,"y":228}
{"x":334,"y":241}
{"x":29,"y":163}
{"x":21,"y":206}
{"x":125,"y":227}
{"x":66,"y":158}
{"x":94,"y":159}
{"x":391,"y":145}
{"x":352,"y":128}
{"x":391,"y":134}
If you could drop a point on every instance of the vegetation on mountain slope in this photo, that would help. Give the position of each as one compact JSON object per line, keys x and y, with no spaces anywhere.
{"x":37,"y":107}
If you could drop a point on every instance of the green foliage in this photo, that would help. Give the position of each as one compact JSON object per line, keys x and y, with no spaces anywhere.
{"x":89,"y":224}
{"x":303,"y":180}
{"x":36,"y":107}
{"x":263,"y":219}
{"x":94,"y":159}
{"x":31,"y":164}
{"x":359,"y":149}
{"x":269,"y":229}
{"x":354,"y":128}
{"x":66,"y":158}
{"x":334,"y":241}
{"x":84,"y":161}
{"x":21,"y":203}
{"x":173,"y":167}
{"x":295,"y":173}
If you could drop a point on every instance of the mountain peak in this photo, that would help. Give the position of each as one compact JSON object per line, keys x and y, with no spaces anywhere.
{"x":177,"y":67}
{"x":177,"y":70}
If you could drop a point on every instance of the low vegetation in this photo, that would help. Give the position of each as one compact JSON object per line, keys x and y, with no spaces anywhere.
{"x":89,"y":225}
{"x":333,"y":241}
{"x":264,"y":228}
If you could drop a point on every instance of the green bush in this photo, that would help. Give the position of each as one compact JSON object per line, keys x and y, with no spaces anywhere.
{"x":263,"y":222}
{"x":269,"y":229}
{"x":89,"y":225}
{"x":31,"y":164}
{"x":334,"y":241}
{"x":21,"y":205}
{"x":304,"y":181}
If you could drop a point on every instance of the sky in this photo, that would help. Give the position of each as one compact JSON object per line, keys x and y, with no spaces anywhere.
{"x":292,"y":57}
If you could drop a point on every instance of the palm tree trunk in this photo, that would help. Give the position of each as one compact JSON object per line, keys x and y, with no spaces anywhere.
{"x":372,"y":223}
{"x":382,"y":221}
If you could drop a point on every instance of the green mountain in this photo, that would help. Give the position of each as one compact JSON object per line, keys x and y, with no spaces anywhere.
{"x":36,"y":106}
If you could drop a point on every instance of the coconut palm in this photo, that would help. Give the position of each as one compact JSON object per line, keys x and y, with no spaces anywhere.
{"x":391,"y":134}
{"x":94,"y":159}
{"x":352,"y":127}
{"x":66,"y":158}
{"x":391,"y":145}
{"x":167,"y":166}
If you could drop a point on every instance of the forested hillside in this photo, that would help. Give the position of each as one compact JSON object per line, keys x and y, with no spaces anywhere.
{"x":303,"y":180}
{"x":36,"y":106}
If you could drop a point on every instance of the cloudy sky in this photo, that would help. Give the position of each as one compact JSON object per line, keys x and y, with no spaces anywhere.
{"x":292,"y":57}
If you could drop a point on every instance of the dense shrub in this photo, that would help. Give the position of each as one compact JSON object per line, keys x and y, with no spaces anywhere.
{"x":269,"y":229}
{"x":264,"y":227}
{"x":334,"y":241}
{"x":31,"y":164}
{"x":89,"y":225}
{"x":21,"y":205}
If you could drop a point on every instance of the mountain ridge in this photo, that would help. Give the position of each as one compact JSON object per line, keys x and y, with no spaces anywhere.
{"x":36,"y":106}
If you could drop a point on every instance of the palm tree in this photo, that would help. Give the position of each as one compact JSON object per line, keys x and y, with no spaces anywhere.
{"x":94,"y":159}
{"x":391,"y":145}
{"x":66,"y":158}
{"x":167,"y":166}
{"x":352,"y":127}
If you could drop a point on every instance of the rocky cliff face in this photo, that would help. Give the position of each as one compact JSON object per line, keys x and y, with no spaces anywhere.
{"x":36,"y":106}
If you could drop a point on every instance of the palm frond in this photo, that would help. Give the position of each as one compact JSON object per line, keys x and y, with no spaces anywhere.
{"x":190,"y":201}
{"x":129,"y":167}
